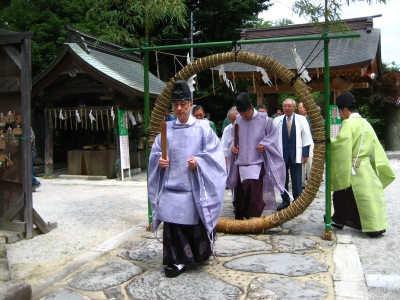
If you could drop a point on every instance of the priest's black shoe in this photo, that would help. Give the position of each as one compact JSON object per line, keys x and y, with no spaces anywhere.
{"x":375,"y":234}
{"x":173,"y":271}
{"x":337,"y":226}
{"x":281,"y":206}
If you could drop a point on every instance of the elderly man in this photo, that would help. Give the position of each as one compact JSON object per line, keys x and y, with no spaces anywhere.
{"x":226,"y":135}
{"x":306,"y":168}
{"x":360,"y":170}
{"x":294,"y":140}
{"x":256,"y":165}
{"x":186,"y":190}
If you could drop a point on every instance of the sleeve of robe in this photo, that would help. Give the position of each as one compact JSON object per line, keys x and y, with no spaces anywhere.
{"x":155,"y":179}
{"x":274,"y":163}
{"x":381,"y":163}
{"x":233,"y":170}
{"x":341,"y":153}
{"x":209,"y":180}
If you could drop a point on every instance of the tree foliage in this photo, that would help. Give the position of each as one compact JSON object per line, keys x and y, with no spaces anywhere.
{"x":47,"y":19}
{"x":130,"y":22}
{"x":321,"y":16}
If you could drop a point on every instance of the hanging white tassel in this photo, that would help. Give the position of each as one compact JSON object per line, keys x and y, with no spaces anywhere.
{"x":188,"y":60}
{"x":139,"y":118}
{"x":353,"y":171}
{"x":61,"y":115}
{"x":265,"y":77}
{"x":191,"y":82}
{"x":228,"y":83}
{"x":78,"y":118}
{"x":91,"y":117}
{"x":221,"y":71}
{"x":112,"y":113}
{"x":299,"y":63}
{"x":132,"y":118}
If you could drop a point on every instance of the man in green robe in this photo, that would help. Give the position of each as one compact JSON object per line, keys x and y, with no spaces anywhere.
{"x":360,"y":170}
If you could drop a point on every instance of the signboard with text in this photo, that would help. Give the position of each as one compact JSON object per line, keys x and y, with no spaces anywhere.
{"x":335,"y":120}
{"x":123,"y":141}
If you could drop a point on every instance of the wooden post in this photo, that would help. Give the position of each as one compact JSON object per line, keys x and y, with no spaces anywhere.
{"x":163,"y":130}
{"x":26,"y":88}
{"x":236,"y":135}
{"x":48,"y":146}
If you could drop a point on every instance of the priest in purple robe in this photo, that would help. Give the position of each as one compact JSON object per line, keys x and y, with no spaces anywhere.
{"x":186,"y":190}
{"x":256,"y":165}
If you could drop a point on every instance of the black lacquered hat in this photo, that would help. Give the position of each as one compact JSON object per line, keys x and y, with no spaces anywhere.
{"x":181,"y":91}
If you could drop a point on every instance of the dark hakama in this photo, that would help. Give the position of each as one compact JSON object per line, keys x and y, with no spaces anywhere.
{"x":249,"y":200}
{"x":185,"y":244}
{"x":346,"y":211}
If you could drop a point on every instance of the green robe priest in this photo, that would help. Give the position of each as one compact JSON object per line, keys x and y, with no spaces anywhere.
{"x":360,"y":170}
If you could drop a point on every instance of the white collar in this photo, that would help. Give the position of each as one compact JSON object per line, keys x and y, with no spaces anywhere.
{"x":354,"y":115}
{"x":190,"y":121}
{"x":290,"y":116}
{"x":255,"y":113}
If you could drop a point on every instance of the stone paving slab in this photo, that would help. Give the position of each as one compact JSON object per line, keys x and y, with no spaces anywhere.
{"x":267,"y":287}
{"x":391,"y":282}
{"x":105,"y":276}
{"x":192,"y":284}
{"x":278,"y":263}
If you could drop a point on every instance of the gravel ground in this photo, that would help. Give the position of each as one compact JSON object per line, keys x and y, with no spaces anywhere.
{"x":380,"y":255}
{"x":87,"y":213}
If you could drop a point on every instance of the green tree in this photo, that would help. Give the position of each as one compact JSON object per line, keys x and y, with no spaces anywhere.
{"x":325,"y":11}
{"x":47,"y":18}
{"x":283,"y":22}
{"x":128,"y":22}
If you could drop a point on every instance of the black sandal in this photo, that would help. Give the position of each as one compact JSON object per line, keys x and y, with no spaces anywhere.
{"x":173,"y":271}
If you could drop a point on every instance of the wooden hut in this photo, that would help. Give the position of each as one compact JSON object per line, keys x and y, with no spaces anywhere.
{"x":17,"y":215}
{"x":90,"y":79}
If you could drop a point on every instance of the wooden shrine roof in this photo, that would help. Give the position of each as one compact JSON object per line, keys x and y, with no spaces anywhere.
{"x":103,"y":61}
{"x":345,"y":55}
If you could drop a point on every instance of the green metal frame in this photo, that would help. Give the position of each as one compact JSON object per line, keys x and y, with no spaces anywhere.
{"x":326,"y":38}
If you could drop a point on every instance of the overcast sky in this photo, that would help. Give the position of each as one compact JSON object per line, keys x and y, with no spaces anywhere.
{"x":388,"y":23}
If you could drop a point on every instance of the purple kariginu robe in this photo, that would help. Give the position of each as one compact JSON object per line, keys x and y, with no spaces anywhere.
{"x":179,"y":195}
{"x":247,"y":164}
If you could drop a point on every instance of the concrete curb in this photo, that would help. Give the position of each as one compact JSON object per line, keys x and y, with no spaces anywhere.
{"x":349,"y":279}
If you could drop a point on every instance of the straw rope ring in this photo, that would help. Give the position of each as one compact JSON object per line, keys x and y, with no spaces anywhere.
{"x":256,"y":225}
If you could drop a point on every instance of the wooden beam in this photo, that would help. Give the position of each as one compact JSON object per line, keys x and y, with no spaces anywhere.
{"x":14,"y":54}
{"x":13,"y":209}
{"x":41,"y":224}
{"x":13,"y":226}
{"x":10,"y":83}
{"x":58,"y":92}
{"x":313,"y":88}
{"x":15,"y":38}
{"x":15,"y":237}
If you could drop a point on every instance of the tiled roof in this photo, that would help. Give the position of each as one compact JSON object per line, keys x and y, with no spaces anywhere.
{"x":126,"y":72}
{"x":343,"y":53}
{"x":122,"y":70}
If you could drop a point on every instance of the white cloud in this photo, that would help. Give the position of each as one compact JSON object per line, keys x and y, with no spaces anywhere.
{"x":388,"y":23}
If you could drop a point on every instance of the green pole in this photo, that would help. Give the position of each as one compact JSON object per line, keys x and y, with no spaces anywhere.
{"x":240,"y":42}
{"x":147,"y":120}
{"x":327,"y":135}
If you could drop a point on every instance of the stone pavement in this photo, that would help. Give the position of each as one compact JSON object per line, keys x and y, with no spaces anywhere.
{"x":288,"y":262}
